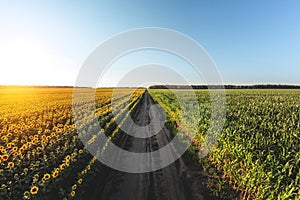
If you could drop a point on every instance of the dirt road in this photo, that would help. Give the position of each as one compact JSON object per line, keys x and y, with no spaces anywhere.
{"x":169,"y":183}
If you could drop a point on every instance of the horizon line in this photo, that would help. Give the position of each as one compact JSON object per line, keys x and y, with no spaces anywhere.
{"x":176,"y":85}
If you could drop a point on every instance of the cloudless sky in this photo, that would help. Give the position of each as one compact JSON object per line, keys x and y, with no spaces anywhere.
{"x":46,"y":42}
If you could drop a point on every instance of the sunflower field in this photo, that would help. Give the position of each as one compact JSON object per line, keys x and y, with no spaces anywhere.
{"x":41,"y":155}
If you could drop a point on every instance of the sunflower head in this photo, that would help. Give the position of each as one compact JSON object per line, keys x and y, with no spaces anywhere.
{"x":62,"y":167}
{"x":73,"y":155}
{"x":34,"y":141}
{"x":74,"y":187}
{"x":34,"y":190}
{"x":73,"y":193}
{"x":5,"y":157}
{"x":93,"y":160}
{"x":55,"y":174}
{"x":10,"y":165}
{"x":27,"y":145}
{"x":68,"y":157}
{"x":46,"y":177}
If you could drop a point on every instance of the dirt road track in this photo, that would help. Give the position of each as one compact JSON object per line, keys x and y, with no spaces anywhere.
{"x":169,"y":183}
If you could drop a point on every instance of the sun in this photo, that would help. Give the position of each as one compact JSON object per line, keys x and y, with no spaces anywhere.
{"x":22,"y":61}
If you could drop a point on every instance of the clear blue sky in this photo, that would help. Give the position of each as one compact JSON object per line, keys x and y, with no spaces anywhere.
{"x":45,"y":42}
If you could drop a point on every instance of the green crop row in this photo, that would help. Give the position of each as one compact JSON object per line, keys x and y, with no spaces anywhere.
{"x":258,"y":151}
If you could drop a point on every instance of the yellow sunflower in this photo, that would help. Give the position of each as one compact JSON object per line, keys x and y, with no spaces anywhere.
{"x":8,"y":145}
{"x":74,"y":187}
{"x":34,"y":190}
{"x":73,"y":193}
{"x":73,"y":155}
{"x":5,"y":157}
{"x":55,"y":174}
{"x":46,"y":177}
{"x":68,"y":157}
{"x":10,"y":165}
{"x":62,"y":167}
